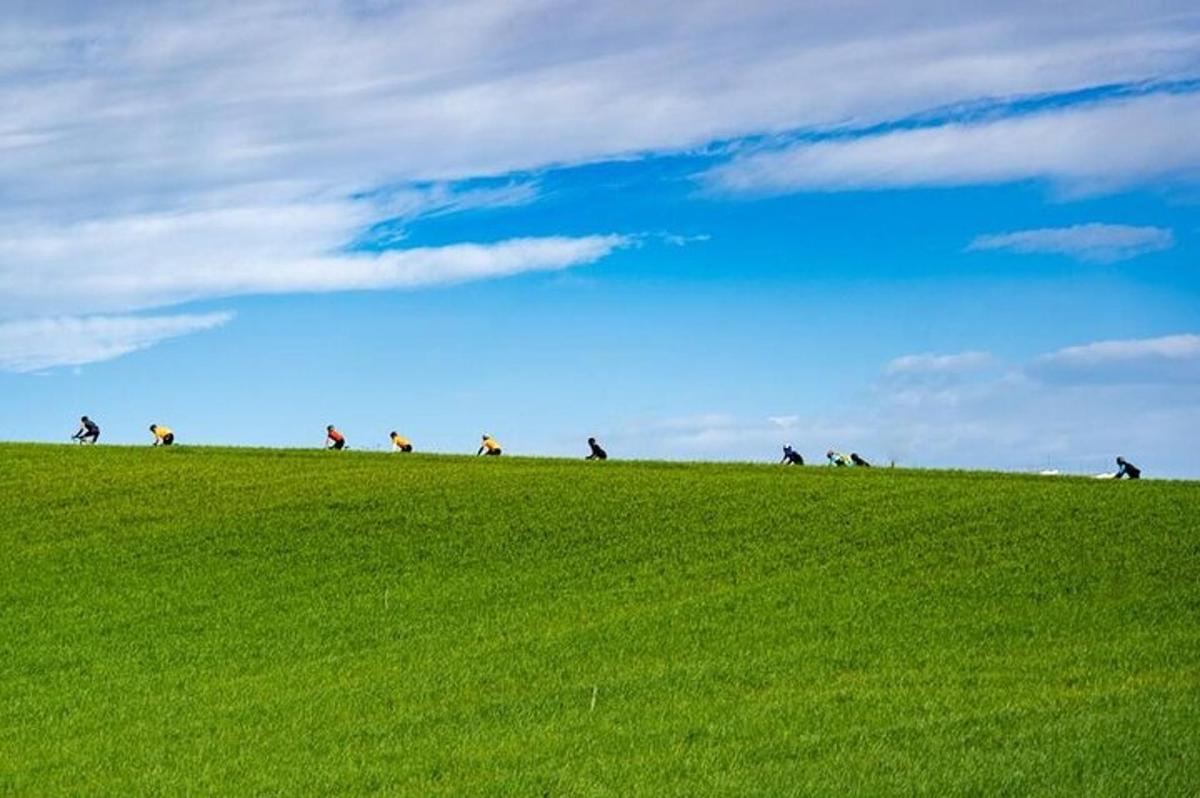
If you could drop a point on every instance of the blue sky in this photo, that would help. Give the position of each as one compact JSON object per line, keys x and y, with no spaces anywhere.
{"x":962,"y":237}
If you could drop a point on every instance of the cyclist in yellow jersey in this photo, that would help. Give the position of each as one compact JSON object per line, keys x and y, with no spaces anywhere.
{"x":400,"y":443}
{"x":489,"y":447}
{"x":163,"y":436}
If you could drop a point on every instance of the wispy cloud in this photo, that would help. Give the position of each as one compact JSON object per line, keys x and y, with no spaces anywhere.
{"x":720,"y":436}
{"x":678,"y":240}
{"x":1169,"y":347}
{"x":1093,"y":148}
{"x":1170,"y":359}
{"x":413,"y":201}
{"x":939,"y":364}
{"x":1093,"y":243}
{"x":1073,"y":409}
{"x":39,"y":344}
{"x":161,"y":259}
{"x":114,"y":100}
{"x":156,"y":155}
{"x":155,"y":260}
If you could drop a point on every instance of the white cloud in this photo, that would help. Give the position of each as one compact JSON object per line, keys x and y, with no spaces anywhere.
{"x":157,"y":154}
{"x":1169,"y":347}
{"x":146,"y":105}
{"x":412,"y":201}
{"x":677,"y":240}
{"x":939,"y":364}
{"x":1171,"y":359}
{"x":1094,"y":243}
{"x":718,"y":436}
{"x":1028,"y":423}
{"x":1080,"y":149}
{"x":1073,"y":409}
{"x":38,"y":344}
{"x":1019,"y":418}
{"x":152,"y":260}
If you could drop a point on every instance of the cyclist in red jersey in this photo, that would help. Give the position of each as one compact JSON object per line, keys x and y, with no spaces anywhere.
{"x":334,"y":439}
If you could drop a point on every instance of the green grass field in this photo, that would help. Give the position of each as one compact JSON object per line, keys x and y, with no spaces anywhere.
{"x":217,"y":621}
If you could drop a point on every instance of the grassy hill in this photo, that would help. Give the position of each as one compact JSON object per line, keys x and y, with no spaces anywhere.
{"x":215,"y":621}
